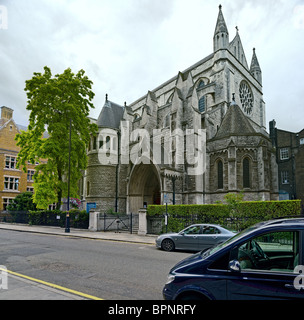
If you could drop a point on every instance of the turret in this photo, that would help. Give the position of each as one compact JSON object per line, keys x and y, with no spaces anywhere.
{"x":255,"y":69}
{"x":221,"y":34}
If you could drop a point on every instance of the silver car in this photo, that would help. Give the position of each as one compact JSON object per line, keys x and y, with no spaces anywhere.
{"x":197,"y":237}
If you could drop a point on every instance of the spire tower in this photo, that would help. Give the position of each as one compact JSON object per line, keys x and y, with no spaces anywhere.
{"x":255,"y":68}
{"x":221,"y":34}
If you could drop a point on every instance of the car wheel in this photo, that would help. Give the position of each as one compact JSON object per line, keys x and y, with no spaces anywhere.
{"x":168,"y":245}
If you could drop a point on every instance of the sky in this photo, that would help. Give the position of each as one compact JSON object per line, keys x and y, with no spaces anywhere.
{"x":128,"y":47}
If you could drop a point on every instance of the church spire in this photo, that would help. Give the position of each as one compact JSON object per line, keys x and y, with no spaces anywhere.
{"x":221,"y":34}
{"x":255,"y":69}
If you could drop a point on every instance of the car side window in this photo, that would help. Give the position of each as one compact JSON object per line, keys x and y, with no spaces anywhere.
{"x":210,"y":230}
{"x":275,"y":251}
{"x":193,"y":230}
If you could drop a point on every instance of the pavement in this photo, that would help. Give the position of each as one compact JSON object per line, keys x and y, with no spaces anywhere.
{"x":14,"y":286}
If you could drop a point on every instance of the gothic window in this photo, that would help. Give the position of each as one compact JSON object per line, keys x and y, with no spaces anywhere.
{"x":88,"y":188}
{"x":246,"y":173}
{"x":167,"y":120}
{"x":220,"y":175}
{"x":202,"y":101}
{"x":202,"y":104}
{"x":201,"y":85}
{"x":101,"y":142}
{"x":114,"y":143}
{"x":246,"y":97}
{"x":94,"y":143}
{"x":108,"y":141}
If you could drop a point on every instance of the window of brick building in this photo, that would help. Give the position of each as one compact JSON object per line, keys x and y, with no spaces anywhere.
{"x":10,"y":162}
{"x":30,"y":175}
{"x":284,"y":153}
{"x":6,"y":202}
{"x":285,"y":177}
{"x":11,"y":183}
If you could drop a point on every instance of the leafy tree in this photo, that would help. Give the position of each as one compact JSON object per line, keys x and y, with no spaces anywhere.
{"x":233,"y":200}
{"x":55,"y":104}
{"x":22,"y":202}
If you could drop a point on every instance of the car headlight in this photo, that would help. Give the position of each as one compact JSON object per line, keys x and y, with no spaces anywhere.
{"x":170,"y":278}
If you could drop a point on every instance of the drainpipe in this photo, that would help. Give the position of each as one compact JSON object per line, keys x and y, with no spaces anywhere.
{"x":117,"y":171}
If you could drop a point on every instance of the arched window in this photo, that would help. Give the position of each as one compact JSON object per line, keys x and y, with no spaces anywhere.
{"x":220,"y":175}
{"x":202,"y":101}
{"x":88,"y":188}
{"x":167,"y":120}
{"x":114,"y":143}
{"x":201,"y":84}
{"x":202,"y":104}
{"x":108,"y":144}
{"x":94,"y":143}
{"x":101,"y":142}
{"x":246,"y":173}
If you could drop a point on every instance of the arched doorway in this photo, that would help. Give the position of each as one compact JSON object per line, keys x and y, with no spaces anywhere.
{"x":144,"y":187}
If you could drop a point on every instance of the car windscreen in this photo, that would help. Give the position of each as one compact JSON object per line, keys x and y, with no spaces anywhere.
{"x":216,"y":248}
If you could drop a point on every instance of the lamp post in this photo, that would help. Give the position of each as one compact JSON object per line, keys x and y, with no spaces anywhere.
{"x":67,"y":219}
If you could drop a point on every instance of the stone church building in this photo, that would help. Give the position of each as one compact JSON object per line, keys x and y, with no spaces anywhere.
{"x":141,"y":155}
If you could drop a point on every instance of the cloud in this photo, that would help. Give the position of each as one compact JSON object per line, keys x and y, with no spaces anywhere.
{"x":128,"y":47}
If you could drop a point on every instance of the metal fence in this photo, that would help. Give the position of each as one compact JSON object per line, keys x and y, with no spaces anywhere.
{"x":161,"y":224}
{"x":118,"y":222}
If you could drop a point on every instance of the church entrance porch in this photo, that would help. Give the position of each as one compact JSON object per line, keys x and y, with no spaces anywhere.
{"x":144,"y":187}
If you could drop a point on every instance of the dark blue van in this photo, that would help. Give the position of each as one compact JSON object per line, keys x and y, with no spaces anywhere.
{"x":264,"y":261}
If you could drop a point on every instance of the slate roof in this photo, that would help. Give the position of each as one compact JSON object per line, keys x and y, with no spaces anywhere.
{"x":110,"y":115}
{"x":235,"y":123}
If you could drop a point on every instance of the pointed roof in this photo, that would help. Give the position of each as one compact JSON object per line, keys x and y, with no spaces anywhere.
{"x":221,"y":26}
{"x":110,"y":115}
{"x":255,"y":66}
{"x":236,"y":48}
{"x":235,"y":123}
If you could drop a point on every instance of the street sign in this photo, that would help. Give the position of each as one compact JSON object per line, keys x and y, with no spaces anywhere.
{"x":166,"y":198}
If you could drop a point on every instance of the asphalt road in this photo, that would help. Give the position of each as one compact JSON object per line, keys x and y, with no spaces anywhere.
{"x":105,"y":269}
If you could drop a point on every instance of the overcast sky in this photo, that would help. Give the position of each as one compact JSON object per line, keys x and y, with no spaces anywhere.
{"x":128,"y":47}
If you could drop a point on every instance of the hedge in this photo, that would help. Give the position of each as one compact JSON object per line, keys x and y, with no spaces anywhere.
{"x":237,"y":217}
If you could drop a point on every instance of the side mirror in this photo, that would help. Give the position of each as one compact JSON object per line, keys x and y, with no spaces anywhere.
{"x":234,"y":266}
{"x":182,"y":233}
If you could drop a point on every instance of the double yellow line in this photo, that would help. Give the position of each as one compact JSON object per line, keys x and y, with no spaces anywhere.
{"x":55,"y":286}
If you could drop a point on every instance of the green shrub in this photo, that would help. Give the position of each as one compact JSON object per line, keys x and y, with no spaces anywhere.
{"x":78,"y":218}
{"x":236,"y":216}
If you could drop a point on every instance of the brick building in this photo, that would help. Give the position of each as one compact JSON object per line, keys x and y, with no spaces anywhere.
{"x":290,"y":158}
{"x":13,"y":181}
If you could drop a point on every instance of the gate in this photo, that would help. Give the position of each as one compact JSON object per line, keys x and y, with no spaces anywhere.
{"x":119,"y":222}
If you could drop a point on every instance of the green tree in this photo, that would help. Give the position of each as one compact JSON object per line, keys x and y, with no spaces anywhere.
{"x":55,"y":103}
{"x":233,"y":201}
{"x":22,"y":202}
